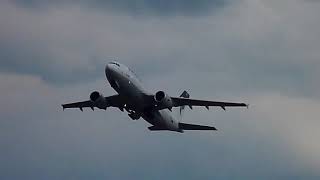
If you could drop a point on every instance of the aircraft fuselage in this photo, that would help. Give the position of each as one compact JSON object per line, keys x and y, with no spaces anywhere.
{"x":127,"y":85}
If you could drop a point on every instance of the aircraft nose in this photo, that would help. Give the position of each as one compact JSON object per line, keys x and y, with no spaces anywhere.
{"x":110,"y":69}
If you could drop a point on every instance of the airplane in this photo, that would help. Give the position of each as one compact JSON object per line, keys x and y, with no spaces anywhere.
{"x":156,"y":108}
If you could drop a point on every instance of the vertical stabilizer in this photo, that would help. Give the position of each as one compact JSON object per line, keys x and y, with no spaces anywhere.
{"x":185,"y":94}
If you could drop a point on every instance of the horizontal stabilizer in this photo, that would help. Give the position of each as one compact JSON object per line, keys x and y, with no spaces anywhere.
{"x":186,"y":126}
{"x":156,"y":128}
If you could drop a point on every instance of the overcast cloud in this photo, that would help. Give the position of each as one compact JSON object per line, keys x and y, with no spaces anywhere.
{"x":262,"y":52}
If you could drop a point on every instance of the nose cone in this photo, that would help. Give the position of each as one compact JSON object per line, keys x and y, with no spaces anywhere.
{"x":108,"y":70}
{"x":108,"y":67}
{"x":111,"y":70}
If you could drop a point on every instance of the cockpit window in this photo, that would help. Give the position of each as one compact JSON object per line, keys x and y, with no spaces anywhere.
{"x":115,"y":64}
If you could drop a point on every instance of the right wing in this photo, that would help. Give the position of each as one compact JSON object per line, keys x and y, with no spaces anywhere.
{"x":180,"y":101}
{"x":111,"y":101}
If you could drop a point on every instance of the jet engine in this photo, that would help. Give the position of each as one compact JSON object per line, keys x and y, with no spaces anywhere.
{"x":163,"y":100}
{"x":99,"y":100}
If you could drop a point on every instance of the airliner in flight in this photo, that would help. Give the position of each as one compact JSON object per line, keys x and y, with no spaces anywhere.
{"x":156,"y":108}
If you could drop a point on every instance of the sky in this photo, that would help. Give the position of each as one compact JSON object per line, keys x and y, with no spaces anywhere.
{"x":261,"y":52}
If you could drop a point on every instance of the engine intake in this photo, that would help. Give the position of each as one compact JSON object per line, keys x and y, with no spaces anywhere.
{"x":94,"y":96}
{"x":98,"y":100}
{"x":159,"y":96}
{"x":163,"y":100}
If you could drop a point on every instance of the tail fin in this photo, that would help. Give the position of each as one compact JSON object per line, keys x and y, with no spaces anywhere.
{"x":185,"y":94}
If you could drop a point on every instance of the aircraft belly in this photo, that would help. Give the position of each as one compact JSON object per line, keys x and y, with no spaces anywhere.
{"x":163,"y":119}
{"x":132,"y":92}
{"x":169,"y":120}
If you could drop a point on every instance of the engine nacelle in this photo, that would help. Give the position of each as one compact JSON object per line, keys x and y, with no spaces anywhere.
{"x":99,"y":100}
{"x":163,"y":100}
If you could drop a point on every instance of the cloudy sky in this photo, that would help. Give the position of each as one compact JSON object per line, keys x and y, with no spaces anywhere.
{"x":262,"y":52}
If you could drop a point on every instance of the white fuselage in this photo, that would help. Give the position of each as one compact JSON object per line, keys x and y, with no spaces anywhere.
{"x":126,"y":83}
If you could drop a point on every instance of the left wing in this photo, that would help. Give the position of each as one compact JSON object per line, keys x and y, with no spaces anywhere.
{"x":178,"y":101}
{"x":185,"y":101}
{"x":110,"y":101}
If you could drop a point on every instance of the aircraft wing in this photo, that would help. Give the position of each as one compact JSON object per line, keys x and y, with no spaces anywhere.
{"x":185,"y":101}
{"x":82,"y":104}
{"x":110,"y":101}
{"x":178,"y":101}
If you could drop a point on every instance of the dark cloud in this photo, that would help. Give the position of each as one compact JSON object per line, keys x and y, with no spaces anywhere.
{"x":62,"y":46}
{"x":73,"y":44}
{"x":34,"y":61}
{"x":139,"y":7}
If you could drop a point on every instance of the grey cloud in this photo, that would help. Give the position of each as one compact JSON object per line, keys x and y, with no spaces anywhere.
{"x":43,"y":142}
{"x":104,"y":144}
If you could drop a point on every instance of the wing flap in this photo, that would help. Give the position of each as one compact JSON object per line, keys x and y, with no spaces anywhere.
{"x":186,"y":126}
